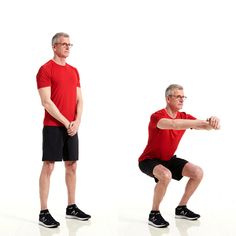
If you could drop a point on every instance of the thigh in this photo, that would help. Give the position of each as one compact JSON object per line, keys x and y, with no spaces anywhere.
{"x":176,"y":166}
{"x":147,"y":166}
{"x":71,"y":148}
{"x":192,"y":171}
{"x":52,"y":143}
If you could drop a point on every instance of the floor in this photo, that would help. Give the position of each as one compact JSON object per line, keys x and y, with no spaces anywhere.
{"x":122,"y":221}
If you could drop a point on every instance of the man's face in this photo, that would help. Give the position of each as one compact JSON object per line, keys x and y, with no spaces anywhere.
{"x":62,"y":47}
{"x":176,"y":99}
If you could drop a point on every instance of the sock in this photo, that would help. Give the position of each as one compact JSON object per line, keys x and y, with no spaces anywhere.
{"x":152,"y":212}
{"x":43,"y":211}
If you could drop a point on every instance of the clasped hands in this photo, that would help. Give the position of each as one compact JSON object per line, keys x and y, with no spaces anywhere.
{"x":214,"y":122}
{"x":73,"y":128}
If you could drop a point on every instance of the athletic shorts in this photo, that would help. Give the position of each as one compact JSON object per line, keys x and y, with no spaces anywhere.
{"x":175,"y":165}
{"x":58,"y":145}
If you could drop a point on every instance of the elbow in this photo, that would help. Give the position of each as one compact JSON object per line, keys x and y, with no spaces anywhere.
{"x":178,"y":125}
{"x":45,"y":103}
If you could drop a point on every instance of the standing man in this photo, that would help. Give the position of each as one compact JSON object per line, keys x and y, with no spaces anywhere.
{"x":59,"y":89}
{"x":166,"y":129}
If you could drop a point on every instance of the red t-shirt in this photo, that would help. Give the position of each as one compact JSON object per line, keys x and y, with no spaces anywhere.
{"x":162,"y":143}
{"x":63,"y":81}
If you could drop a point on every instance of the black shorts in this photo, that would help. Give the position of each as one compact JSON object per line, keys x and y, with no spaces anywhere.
{"x":58,"y":145}
{"x":175,"y":165}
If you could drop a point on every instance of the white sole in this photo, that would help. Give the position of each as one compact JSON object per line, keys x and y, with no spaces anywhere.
{"x":186,"y":218}
{"x":47,"y":226}
{"x":76,"y":218}
{"x":157,"y":226}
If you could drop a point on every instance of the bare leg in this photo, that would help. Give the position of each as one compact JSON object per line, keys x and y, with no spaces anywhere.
{"x":44,"y":183}
{"x":164,"y":177}
{"x":195,"y":173}
{"x":70,"y":177}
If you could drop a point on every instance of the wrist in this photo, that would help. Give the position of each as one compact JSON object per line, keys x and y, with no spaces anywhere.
{"x":67,"y":124}
{"x":78,"y":120}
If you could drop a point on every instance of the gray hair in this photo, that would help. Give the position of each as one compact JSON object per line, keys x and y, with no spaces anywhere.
{"x":57,"y":36}
{"x":172,"y":87}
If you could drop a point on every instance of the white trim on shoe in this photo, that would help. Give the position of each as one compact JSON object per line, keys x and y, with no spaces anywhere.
{"x":77,"y":218}
{"x":158,"y":226}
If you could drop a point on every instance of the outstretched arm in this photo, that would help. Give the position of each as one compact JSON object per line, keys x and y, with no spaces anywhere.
{"x":50,"y":107}
{"x":181,"y":124}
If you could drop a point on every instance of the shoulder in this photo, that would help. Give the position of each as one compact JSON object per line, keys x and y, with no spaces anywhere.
{"x":71,"y":67}
{"x":184,"y":115}
{"x":47,"y":65}
{"x":158,"y":113}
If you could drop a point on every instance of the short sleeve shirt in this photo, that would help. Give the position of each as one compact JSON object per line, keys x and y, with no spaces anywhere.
{"x":162,"y":143}
{"x":63,"y":81}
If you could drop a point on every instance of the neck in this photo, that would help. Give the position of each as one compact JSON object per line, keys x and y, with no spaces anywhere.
{"x":59,"y":60}
{"x":171,"y":113}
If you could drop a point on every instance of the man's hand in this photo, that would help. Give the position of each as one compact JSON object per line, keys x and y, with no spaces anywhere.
{"x":73,"y":128}
{"x":214,"y":122}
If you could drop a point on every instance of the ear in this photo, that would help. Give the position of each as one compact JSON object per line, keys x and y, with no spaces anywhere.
{"x":167,"y":100}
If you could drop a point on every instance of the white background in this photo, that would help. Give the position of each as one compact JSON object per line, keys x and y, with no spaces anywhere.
{"x":127,"y":53}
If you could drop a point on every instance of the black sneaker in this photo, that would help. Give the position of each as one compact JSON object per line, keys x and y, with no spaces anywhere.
{"x":46,"y":219}
{"x":73,"y":212}
{"x":182,"y":212}
{"x":156,"y":220}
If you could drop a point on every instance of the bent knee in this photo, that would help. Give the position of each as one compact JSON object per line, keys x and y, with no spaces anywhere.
{"x":162,"y":174}
{"x":197,"y":173}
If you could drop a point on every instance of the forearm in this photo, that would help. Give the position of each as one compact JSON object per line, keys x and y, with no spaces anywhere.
{"x":79,"y":110}
{"x":74,"y":125}
{"x":204,"y":127}
{"x":51,"y":108}
{"x":181,"y":124}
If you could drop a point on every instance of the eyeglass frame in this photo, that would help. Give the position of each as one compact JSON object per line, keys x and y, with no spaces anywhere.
{"x":178,"y":97}
{"x":69,"y":45}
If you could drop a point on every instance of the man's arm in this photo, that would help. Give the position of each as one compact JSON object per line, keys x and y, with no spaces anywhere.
{"x":50,"y":107}
{"x":74,"y":125}
{"x":182,"y":124}
{"x":79,"y":105}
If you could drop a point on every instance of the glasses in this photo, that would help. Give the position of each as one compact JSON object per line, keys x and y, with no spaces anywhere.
{"x":178,"y":97}
{"x":65,"y":45}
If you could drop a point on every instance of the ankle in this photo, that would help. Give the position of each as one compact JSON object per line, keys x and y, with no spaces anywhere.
{"x":44,"y":211}
{"x":154,"y":211}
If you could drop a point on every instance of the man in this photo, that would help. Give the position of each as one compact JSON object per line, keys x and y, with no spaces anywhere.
{"x":59,"y":89}
{"x":166,"y":129}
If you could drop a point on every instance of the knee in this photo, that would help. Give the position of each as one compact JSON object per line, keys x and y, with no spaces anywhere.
{"x":198,"y":173}
{"x":48,"y":167}
{"x":71,"y":167}
{"x":164,"y":176}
